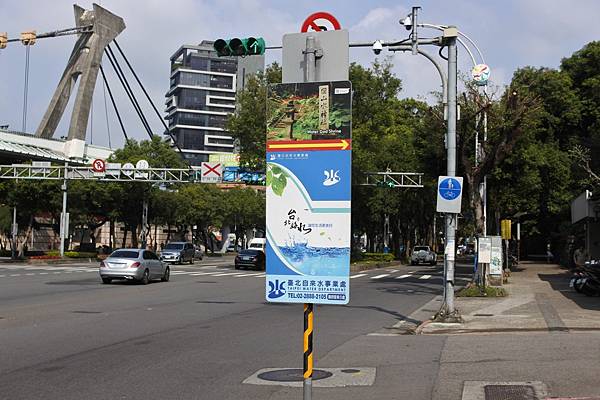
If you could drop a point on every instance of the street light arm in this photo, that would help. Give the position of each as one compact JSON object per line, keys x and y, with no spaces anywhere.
{"x":437,"y":66}
{"x":442,"y":27}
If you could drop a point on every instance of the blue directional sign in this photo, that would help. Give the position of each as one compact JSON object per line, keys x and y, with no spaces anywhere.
{"x":449,"y":195}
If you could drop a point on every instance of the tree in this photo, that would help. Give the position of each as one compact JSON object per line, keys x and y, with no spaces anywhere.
{"x":248,"y":124}
{"x":131,"y":196}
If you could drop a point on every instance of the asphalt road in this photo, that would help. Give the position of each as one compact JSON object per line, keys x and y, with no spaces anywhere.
{"x":64,"y":335}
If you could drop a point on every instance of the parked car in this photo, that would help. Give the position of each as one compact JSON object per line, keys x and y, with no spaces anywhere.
{"x":423,"y":255}
{"x":178,"y":253}
{"x":258,"y":243}
{"x":254,"y":258}
{"x":134,"y":265}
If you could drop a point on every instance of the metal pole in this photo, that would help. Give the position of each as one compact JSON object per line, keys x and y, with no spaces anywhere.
{"x":308,"y":352}
{"x":310,"y":58}
{"x":15,"y":231}
{"x":63,"y":215}
{"x":451,"y":167}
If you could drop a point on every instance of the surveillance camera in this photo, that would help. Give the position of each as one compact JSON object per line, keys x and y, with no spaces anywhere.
{"x":377,"y":47}
{"x":407,"y":22}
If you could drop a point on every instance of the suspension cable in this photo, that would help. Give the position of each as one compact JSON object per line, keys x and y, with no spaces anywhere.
{"x":106,"y":111}
{"x":112,"y":99}
{"x":25,"y":88}
{"x":127,"y":89}
{"x":167,"y":130}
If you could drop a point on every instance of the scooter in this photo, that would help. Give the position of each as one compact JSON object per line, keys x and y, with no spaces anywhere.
{"x":586,"y":279}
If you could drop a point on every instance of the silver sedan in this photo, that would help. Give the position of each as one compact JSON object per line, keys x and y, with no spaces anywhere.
{"x":134,"y":265}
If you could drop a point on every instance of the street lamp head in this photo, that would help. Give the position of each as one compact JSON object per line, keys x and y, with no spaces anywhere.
{"x":407,"y":22}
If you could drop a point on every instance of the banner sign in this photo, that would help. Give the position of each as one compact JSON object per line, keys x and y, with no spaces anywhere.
{"x":308,"y":193}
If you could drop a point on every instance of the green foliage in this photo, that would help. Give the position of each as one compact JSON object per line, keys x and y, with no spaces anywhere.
{"x":373,"y":257}
{"x":480,"y":291}
{"x":248,"y":124}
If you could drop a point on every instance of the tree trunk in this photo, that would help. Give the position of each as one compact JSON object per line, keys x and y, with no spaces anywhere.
{"x":134,"y":238}
{"x":125,"y":236}
{"x":22,"y":243}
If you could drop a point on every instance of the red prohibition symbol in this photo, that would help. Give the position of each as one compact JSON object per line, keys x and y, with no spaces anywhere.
{"x":310,"y":22}
{"x":98,"y":165}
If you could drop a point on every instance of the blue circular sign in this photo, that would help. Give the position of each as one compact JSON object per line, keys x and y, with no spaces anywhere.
{"x":449,"y":189}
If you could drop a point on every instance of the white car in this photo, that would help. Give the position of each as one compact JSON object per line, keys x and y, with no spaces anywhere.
{"x":423,"y":255}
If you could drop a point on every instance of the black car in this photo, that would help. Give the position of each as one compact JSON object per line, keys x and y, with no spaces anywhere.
{"x":250,"y":258}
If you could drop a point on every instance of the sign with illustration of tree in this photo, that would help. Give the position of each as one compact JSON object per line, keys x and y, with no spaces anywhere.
{"x":309,"y":111}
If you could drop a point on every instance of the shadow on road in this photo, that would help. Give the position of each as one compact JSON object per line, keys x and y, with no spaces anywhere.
{"x":560,"y":282}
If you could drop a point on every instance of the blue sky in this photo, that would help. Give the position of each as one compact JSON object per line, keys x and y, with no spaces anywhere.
{"x":511,"y":34}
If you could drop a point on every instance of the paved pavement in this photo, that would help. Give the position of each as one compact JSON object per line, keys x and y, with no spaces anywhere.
{"x":206,"y":333}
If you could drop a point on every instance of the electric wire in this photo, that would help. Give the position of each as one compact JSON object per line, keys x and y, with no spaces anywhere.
{"x":167,"y":130}
{"x":106,"y":112}
{"x":127,"y":88}
{"x":112,"y":99}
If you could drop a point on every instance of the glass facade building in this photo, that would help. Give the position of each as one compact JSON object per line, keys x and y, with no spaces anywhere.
{"x":201,"y":96}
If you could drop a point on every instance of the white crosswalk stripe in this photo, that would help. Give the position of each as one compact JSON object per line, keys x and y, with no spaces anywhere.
{"x":425,"y":277}
{"x":380,"y":276}
{"x":403,"y":276}
{"x":357,"y":276}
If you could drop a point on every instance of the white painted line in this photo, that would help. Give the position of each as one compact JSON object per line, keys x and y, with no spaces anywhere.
{"x":260,"y":275}
{"x":179,"y":272}
{"x":43,"y":273}
{"x":2,"y":276}
{"x":379,"y":276}
{"x":425,"y":277}
{"x":255,"y":274}
{"x":15,"y":274}
{"x":403,"y":276}
{"x":56,"y":273}
{"x":200,"y":273}
{"x":30,"y":274}
{"x":357,"y":276}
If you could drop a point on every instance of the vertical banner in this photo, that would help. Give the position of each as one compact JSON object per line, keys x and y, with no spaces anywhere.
{"x":496,"y":256}
{"x":308,"y":192}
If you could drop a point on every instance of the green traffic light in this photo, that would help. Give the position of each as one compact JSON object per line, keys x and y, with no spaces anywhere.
{"x":222,"y":48}
{"x":239,"y":47}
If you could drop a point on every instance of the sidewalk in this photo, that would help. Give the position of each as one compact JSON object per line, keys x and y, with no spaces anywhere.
{"x":539,"y":299}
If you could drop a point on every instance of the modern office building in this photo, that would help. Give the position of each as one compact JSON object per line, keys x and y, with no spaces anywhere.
{"x":201,"y":96}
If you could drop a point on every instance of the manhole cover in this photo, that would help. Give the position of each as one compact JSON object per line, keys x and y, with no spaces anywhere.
{"x":509,"y":392}
{"x":292,"y":375}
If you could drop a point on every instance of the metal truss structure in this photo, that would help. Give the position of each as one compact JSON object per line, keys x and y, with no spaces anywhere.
{"x":394,"y":179}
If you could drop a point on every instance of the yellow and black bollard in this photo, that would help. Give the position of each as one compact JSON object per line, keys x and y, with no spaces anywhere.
{"x":308,"y":351}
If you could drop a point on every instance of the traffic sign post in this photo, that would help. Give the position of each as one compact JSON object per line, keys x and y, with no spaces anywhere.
{"x":308,"y":179}
{"x":449,"y":194}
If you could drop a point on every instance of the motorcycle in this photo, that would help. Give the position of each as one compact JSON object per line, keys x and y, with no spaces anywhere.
{"x":586,"y":279}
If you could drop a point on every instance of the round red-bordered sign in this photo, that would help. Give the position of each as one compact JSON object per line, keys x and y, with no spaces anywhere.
{"x":310,"y":22}
{"x":98,"y":165}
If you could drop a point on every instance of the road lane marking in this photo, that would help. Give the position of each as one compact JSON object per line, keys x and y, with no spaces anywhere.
{"x":254,"y":274}
{"x":379,"y":276}
{"x":357,"y":276}
{"x":425,"y":277}
{"x":179,"y":272}
{"x":260,"y":275}
{"x":403,"y":276}
{"x":30,"y":274}
{"x":228,"y":274}
{"x":43,"y":273}
{"x":15,"y":274}
{"x":2,"y":276}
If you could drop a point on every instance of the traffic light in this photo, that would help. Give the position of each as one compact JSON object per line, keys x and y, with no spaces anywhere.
{"x":240,"y":47}
{"x":387,"y":184}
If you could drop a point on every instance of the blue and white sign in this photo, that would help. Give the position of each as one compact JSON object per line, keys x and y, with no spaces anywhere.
{"x":449,"y":194}
{"x":308,"y":225}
